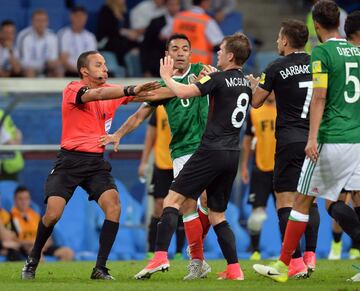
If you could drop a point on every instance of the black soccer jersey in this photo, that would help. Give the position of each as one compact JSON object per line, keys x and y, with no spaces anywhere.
{"x":291,"y":81}
{"x":230,"y":95}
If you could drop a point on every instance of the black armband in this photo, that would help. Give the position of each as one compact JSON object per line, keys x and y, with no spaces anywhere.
{"x":129,"y":90}
{"x":81,"y":92}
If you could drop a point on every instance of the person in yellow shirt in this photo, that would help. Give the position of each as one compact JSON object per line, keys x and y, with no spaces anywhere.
{"x":260,"y":131}
{"x":158,"y":137}
{"x":25,"y":220}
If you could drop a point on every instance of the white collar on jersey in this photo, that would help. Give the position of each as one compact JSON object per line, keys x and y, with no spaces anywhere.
{"x":336,"y":39}
{"x":183,"y":76}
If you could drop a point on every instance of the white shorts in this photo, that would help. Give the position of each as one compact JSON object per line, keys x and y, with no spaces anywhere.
{"x":179,"y":163}
{"x":338,"y":167}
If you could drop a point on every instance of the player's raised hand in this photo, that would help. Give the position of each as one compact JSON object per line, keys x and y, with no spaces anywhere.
{"x":311,"y":150}
{"x":166,"y":67}
{"x":207,"y":70}
{"x":108,"y":139}
{"x":146,"y":87}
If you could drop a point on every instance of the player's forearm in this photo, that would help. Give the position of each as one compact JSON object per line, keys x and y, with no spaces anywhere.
{"x":134,"y":120}
{"x":316,"y":114}
{"x":148,"y":144}
{"x":159,"y":94}
{"x":246,"y":150}
{"x":180,"y":90}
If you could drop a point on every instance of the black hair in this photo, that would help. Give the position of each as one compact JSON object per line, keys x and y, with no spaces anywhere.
{"x":352,"y":23}
{"x":177,"y":36}
{"x":82,"y":60}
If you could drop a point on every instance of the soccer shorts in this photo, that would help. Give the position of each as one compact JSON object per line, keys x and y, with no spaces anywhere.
{"x":213,"y":171}
{"x":338,"y":167}
{"x":289,"y":159}
{"x":161,"y":181}
{"x":261,"y":186}
{"x":179,"y":163}
{"x":87,"y":170}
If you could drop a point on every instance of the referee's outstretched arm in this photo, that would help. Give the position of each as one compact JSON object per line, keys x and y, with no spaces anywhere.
{"x":106,"y":93}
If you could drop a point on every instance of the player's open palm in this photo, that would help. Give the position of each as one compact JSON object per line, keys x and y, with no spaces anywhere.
{"x":311,"y":150}
{"x":166,"y":67}
{"x":110,"y":139}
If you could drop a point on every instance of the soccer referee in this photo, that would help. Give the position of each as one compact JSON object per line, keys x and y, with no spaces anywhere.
{"x":87,"y":114}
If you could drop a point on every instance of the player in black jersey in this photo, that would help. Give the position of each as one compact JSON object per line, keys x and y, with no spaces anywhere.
{"x":214,"y":165}
{"x":290,"y":79}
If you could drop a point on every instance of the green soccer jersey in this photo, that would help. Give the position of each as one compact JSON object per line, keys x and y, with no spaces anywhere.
{"x":341,"y":62}
{"x":187,"y":117}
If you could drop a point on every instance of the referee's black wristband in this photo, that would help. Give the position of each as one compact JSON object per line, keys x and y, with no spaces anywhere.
{"x":129,"y":90}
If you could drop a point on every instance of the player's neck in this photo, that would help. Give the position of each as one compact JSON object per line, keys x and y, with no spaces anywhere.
{"x":231,"y":66}
{"x":290,"y":51}
{"x":330,"y":34}
{"x":181,"y":72}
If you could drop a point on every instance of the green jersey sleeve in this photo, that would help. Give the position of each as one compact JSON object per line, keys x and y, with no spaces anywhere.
{"x":319,"y":60}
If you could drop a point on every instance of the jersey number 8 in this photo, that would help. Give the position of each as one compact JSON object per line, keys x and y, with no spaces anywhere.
{"x":241,"y":107}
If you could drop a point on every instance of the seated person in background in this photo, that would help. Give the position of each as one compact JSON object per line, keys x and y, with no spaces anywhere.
{"x":25,"y":221}
{"x":153,"y":45}
{"x":74,"y":40}
{"x":9,"y":56}
{"x":10,"y":167}
{"x":8,"y":241}
{"x":38,"y":48}
{"x":113,"y":31}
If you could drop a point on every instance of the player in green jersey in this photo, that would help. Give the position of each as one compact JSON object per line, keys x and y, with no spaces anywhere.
{"x":187,"y":119}
{"x":333,"y":147}
{"x":352,"y":30}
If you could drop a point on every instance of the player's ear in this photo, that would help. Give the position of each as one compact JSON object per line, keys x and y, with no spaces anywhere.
{"x":230,"y":57}
{"x":166,"y":53}
{"x":84,"y":71}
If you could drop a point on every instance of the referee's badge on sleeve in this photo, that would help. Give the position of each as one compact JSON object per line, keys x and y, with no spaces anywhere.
{"x":108,"y":125}
{"x":204,"y":79}
{"x":316,"y":67}
{"x":262,"y":78}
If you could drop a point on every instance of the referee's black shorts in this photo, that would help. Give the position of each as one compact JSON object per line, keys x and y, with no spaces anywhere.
{"x":87,"y":170}
{"x":161,"y":182}
{"x":210,"y":170}
{"x":289,"y":159}
{"x":261,"y":186}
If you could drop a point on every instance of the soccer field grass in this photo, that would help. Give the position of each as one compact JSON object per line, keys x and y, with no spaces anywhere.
{"x":330,"y":275}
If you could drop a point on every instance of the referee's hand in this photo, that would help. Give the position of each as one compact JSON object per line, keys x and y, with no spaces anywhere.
{"x":108,"y":139}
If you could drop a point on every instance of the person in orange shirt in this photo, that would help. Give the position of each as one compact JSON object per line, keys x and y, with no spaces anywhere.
{"x":202,"y":30}
{"x":25,"y":222}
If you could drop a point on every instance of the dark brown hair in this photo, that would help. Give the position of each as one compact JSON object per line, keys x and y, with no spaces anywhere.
{"x":296,"y":32}
{"x":327,"y":14}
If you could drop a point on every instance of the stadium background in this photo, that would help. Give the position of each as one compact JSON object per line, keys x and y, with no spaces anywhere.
{"x":37,"y":112}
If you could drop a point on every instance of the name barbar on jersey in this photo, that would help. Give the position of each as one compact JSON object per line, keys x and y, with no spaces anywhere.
{"x":348,"y":51}
{"x":237,"y":82}
{"x":294,"y":70}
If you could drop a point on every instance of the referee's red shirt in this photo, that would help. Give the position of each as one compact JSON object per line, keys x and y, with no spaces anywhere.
{"x":83,"y":124}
